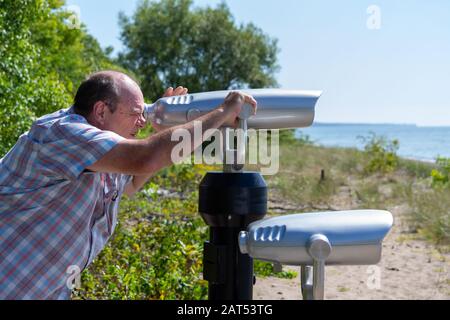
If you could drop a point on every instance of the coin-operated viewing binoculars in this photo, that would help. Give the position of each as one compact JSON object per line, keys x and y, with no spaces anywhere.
{"x":277,"y":108}
{"x":313,"y":240}
{"x":233,"y":204}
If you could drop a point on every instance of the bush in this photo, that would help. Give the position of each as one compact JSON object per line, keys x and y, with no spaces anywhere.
{"x":381,"y":154}
{"x":265,"y":269}
{"x":416,"y":168}
{"x":440,"y":176}
{"x":430,"y":214}
{"x":158,"y":258}
{"x":304,"y":139}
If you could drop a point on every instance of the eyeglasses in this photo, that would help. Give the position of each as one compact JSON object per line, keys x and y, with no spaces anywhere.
{"x":136,"y":115}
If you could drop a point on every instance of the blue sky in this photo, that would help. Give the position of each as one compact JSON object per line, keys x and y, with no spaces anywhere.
{"x":399,"y":73}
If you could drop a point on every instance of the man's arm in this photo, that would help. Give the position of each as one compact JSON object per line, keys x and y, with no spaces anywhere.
{"x":143,"y":158}
{"x":136,"y":183}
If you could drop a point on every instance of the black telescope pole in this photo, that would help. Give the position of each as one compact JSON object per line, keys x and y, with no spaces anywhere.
{"x":228,"y":202}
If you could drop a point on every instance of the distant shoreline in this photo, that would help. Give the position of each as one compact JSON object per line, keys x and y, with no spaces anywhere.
{"x":334,"y":124}
{"x":415,"y":143}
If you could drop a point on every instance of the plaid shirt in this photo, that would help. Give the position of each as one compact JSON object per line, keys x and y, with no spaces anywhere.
{"x":55,"y":216}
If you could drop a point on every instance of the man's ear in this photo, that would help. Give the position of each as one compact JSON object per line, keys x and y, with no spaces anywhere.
{"x":99,"y":112}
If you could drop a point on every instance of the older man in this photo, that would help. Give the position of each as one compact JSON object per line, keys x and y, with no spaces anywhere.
{"x":61,"y":184}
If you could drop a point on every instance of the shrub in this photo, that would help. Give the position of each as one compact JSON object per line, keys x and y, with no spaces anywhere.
{"x":430,"y":214}
{"x":158,"y":258}
{"x":440,"y":176}
{"x":381,"y":154}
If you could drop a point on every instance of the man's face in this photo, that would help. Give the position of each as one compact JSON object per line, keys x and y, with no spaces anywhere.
{"x":128,"y":117}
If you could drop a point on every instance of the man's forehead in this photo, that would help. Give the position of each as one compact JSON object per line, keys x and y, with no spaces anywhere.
{"x":133,"y":100}
{"x":138,"y":108}
{"x":133,"y":107}
{"x":129,"y":88}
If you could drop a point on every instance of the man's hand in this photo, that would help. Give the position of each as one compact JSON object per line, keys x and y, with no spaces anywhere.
{"x":179,"y":91}
{"x":233,"y":104}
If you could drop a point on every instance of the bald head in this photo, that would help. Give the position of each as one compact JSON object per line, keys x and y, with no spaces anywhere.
{"x":108,"y":86}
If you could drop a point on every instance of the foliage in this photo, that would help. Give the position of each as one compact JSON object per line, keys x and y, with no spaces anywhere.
{"x":302,"y":138}
{"x":182,"y":177}
{"x":441,"y":175}
{"x":430,"y":213}
{"x":381,"y":154}
{"x":417,"y":169}
{"x":169,"y":43}
{"x":69,"y":49}
{"x":26,"y":88}
{"x":43,"y":59}
{"x":265,"y":269}
{"x":157,"y":258}
{"x":300,"y":176}
{"x":289,"y":136}
{"x":156,"y":249}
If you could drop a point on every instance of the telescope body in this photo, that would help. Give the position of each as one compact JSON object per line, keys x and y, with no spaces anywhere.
{"x":277,"y":108}
{"x":355,"y":237}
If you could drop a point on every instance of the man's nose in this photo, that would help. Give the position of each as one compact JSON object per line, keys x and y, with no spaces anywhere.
{"x":141,"y":121}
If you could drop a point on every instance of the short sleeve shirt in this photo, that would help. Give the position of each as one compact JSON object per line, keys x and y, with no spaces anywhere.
{"x":55,"y":215}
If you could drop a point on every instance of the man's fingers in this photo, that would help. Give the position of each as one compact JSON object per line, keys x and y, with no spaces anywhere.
{"x":169,"y":92}
{"x":250,"y":100}
{"x":237,"y":97}
{"x":178,"y":91}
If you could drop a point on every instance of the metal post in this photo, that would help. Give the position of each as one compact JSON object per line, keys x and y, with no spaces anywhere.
{"x":228,"y":202}
{"x":313,"y":277}
{"x":306,"y":280}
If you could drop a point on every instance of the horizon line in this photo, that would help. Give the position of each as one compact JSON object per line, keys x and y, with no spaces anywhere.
{"x":381,"y":123}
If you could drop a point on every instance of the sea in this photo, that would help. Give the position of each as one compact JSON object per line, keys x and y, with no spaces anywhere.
{"x":416,"y":142}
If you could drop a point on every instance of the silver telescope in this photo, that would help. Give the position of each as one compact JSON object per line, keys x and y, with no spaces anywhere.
{"x":313,"y":240}
{"x":277,"y":108}
{"x":355,"y":236}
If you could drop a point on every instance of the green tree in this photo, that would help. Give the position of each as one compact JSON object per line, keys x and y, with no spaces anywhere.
{"x":66,"y":46}
{"x":43,"y":59}
{"x":170,"y":43}
{"x":25,"y":86}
